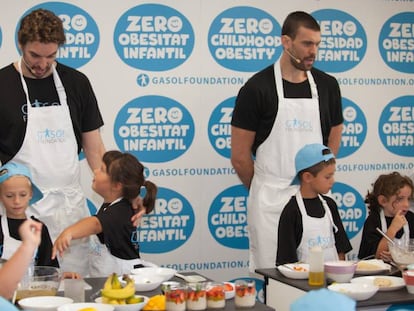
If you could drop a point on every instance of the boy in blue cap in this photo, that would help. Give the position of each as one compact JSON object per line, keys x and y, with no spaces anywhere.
{"x":311,"y":218}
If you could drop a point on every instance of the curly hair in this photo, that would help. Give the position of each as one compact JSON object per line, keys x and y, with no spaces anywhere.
{"x":387,"y":185}
{"x":43,"y":26}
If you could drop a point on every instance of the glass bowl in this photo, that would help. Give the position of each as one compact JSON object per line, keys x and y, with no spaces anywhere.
{"x":39,"y":281}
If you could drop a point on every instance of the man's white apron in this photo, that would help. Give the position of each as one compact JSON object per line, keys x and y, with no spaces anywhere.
{"x":49,"y":149}
{"x":297,"y":123}
{"x":317,"y":232}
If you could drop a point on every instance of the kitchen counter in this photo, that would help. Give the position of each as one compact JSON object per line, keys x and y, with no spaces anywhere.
{"x":281,"y":291}
{"x":97,"y":284}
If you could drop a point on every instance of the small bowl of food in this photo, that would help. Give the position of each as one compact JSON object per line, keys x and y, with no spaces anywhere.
{"x":295,"y":270}
{"x":408,"y":276}
{"x":340,"y":271}
{"x":229,"y":290}
{"x":402,"y":252}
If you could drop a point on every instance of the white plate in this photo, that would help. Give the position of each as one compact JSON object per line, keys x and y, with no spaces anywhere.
{"x":165,"y":273}
{"x":128,"y":307}
{"x":396,"y":282}
{"x":373,"y":266}
{"x":357,"y":291}
{"x":43,"y":303}
{"x":298,"y":271}
{"x":80,"y":305}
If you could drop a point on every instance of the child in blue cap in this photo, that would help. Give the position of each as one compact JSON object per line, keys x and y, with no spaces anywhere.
{"x":17,"y":192}
{"x":311,"y":218}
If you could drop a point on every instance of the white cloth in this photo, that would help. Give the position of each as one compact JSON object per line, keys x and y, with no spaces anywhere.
{"x":384,"y":228}
{"x":317,"y":232}
{"x":103,"y":263}
{"x":274,"y":170}
{"x":49,"y":149}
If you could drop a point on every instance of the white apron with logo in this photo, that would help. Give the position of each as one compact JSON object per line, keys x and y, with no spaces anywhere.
{"x":49,"y":149}
{"x":384,"y":228}
{"x":103,"y":263}
{"x":317,"y":231}
{"x":297,"y":123}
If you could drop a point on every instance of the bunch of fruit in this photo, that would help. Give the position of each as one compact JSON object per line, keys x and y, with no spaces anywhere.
{"x":113,"y":292}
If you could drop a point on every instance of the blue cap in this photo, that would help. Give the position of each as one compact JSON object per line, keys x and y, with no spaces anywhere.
{"x":308,"y":156}
{"x":15,"y":169}
{"x":323,"y":299}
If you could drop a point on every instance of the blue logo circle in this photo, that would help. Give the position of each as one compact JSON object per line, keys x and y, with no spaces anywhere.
{"x":396,"y":42}
{"x":351,"y":208}
{"x":219,"y":127}
{"x":396,"y":126}
{"x":354,"y":129}
{"x":154,"y":128}
{"x":153,"y":37}
{"x":168,"y":226}
{"x":227,"y":218}
{"x":343,"y":41}
{"x":244,"y":39}
{"x":81,"y":31}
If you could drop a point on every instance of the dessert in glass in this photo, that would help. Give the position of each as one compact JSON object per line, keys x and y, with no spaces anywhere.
{"x":175,"y":297}
{"x":215,"y":295}
{"x":196,"y":296}
{"x":245,"y":296}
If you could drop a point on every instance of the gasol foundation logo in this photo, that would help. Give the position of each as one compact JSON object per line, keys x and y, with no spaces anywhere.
{"x":343,"y":41}
{"x":244,"y":39}
{"x":396,"y":42}
{"x":227,"y":218}
{"x":351,"y":208}
{"x":81,"y":31}
{"x":354,"y":128}
{"x":168,"y":227}
{"x":153,"y":37}
{"x":154,"y":129}
{"x":219,"y":127}
{"x":396,"y":126}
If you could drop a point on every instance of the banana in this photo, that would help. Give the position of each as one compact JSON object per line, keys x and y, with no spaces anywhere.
{"x":108,"y":282}
{"x":120,"y":293}
{"x":115,"y":282}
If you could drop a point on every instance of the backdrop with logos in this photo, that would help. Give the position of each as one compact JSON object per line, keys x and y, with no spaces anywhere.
{"x":166,"y":75}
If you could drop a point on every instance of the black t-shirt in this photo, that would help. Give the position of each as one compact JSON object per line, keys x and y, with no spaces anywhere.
{"x":118,"y":233}
{"x":81,"y":100}
{"x":290,"y":229}
{"x":371,"y":237}
{"x":257,"y":103}
{"x":44,"y":251}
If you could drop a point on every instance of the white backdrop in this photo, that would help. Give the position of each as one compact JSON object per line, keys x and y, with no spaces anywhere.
{"x":166,"y":86}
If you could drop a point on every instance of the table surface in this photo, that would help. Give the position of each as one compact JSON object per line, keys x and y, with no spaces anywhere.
{"x":380,"y":298}
{"x":97,"y":284}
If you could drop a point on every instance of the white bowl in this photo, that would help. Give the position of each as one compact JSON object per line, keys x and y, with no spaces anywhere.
{"x":229,"y":293}
{"x":357,"y":291}
{"x":80,"y":305}
{"x":165,"y":273}
{"x":402,"y":252}
{"x":298,"y":271}
{"x":340,"y":271}
{"x":144,"y":283}
{"x":43,"y":303}
{"x":128,"y":307}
